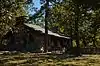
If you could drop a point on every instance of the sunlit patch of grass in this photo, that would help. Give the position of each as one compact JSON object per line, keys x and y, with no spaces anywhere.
{"x":48,"y":60}
{"x":59,"y":63}
{"x":50,"y":64}
{"x":17,"y":62}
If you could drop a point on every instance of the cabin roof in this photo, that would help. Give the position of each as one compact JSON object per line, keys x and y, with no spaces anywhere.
{"x":38,"y":28}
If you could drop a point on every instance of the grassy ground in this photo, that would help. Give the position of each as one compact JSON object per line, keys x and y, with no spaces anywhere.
{"x":33,"y":59}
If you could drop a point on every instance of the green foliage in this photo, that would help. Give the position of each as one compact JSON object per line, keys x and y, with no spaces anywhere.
{"x":63,"y":16}
{"x":60,"y":17}
{"x":9,"y":10}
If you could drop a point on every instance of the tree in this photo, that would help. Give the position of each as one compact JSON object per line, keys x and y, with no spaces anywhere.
{"x":64,"y":14}
{"x":73,"y":18}
{"x":10,"y":9}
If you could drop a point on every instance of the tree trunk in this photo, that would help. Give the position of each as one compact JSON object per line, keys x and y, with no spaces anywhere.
{"x":94,"y":37}
{"x":77,"y":32}
{"x":94,"y":40}
{"x":46,"y":27}
{"x":71,"y":35}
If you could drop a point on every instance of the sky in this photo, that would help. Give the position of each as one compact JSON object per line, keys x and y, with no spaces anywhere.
{"x":36,"y":4}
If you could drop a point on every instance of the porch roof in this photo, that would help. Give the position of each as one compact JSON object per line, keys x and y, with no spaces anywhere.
{"x":38,"y":28}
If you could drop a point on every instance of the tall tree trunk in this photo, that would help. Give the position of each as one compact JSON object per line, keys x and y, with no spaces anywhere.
{"x":71,"y":35}
{"x":46,"y":27}
{"x":94,"y":37}
{"x":76,"y":29}
{"x":84,"y":42}
{"x":94,"y":40}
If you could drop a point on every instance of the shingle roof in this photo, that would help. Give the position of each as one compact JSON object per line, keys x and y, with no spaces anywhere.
{"x":38,"y":28}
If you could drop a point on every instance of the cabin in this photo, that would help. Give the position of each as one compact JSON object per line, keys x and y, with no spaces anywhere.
{"x":55,"y":41}
{"x":30,"y":37}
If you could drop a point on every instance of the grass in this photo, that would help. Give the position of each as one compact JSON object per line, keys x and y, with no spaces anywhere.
{"x":33,"y":59}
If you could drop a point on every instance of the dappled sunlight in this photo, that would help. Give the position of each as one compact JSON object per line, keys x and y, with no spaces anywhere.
{"x":45,"y":60}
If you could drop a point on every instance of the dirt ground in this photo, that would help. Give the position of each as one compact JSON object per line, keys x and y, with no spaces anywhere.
{"x":38,"y":59}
